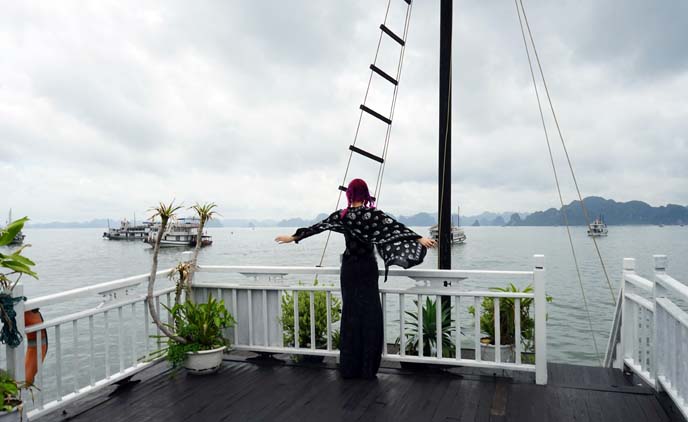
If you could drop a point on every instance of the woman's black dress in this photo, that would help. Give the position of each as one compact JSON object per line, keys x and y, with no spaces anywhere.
{"x":361,"y":335}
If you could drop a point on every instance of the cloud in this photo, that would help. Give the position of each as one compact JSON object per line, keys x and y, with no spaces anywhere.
{"x":108,"y":107}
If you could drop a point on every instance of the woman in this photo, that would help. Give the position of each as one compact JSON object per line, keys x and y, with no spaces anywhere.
{"x":361,"y":334}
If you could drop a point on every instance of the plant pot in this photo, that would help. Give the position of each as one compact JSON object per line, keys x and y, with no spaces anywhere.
{"x":204,"y":361}
{"x":506,"y":351}
{"x":12,"y":416}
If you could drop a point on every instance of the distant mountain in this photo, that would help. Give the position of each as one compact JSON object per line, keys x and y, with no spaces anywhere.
{"x":96,"y":223}
{"x":421,"y":219}
{"x":614,"y":213}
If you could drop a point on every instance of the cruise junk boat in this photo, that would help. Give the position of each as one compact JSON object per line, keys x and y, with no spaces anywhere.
{"x":182,"y":232}
{"x":91,"y":374}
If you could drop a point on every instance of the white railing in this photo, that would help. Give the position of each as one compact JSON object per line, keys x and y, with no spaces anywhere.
{"x":650,"y":334}
{"x":257,"y":307}
{"x":88,"y":349}
{"x":98,"y":335}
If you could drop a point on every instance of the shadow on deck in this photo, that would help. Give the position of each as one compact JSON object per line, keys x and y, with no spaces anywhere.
{"x":245,"y":391}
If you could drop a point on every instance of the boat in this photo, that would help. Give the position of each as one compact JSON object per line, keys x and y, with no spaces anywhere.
{"x":598,"y":228}
{"x":642,"y":378}
{"x":19,"y":237}
{"x":182,"y":232}
{"x":458,"y":236}
{"x":128,"y":231}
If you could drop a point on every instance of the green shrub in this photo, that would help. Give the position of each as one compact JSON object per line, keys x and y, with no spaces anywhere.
{"x":201,"y":325}
{"x":9,"y":392}
{"x":320,"y":304}
{"x":429,"y":330}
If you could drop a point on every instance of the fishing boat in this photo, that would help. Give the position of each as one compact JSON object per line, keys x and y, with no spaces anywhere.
{"x":642,"y":377}
{"x":128,"y":231}
{"x":19,"y":237}
{"x":598,"y":228}
{"x":182,"y":232}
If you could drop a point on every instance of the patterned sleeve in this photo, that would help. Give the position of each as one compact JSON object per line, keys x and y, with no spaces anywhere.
{"x":396,"y":243}
{"x":333,"y":222}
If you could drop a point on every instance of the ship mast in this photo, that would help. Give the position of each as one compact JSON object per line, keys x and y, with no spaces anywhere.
{"x":445,"y":98}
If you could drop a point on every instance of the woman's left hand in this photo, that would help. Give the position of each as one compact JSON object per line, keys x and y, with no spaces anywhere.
{"x":284,"y":239}
{"x":428,"y":243}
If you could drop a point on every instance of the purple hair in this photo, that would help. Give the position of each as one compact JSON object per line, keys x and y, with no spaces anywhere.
{"x":357,"y":191}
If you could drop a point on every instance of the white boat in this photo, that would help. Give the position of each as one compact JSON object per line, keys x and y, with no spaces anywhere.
{"x":129,"y":231}
{"x":179,"y":233}
{"x":458,"y":236}
{"x":19,"y":238}
{"x":597,"y":228}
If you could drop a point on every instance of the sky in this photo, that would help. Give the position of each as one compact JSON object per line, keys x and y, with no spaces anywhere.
{"x":108,"y":107}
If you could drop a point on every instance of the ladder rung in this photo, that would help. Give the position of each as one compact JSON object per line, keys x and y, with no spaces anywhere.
{"x":366,"y":154}
{"x":376,"y":114}
{"x":392,"y":35}
{"x":383,"y":74}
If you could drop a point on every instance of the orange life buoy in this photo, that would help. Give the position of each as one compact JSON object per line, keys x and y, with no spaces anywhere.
{"x":33,"y":317}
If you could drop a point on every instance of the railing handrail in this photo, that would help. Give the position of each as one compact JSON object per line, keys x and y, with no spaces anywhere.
{"x":393,"y":272}
{"x":93,"y":311}
{"x":79,"y":292}
{"x":426,"y":291}
{"x":673,"y":285}
{"x":637,"y":281}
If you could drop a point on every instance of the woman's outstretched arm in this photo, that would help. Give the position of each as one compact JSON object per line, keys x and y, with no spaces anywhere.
{"x":333,"y":222}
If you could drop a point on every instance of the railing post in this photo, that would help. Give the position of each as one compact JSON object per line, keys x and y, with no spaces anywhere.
{"x":15,"y":355}
{"x":628,"y":267}
{"x":658,"y":291}
{"x":540,"y":320}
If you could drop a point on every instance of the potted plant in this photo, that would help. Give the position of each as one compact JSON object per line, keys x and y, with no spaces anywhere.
{"x":429,"y":310}
{"x":195,"y":337}
{"x":320,"y":305}
{"x":11,"y":406}
{"x":202,"y":326}
{"x":507,"y":327}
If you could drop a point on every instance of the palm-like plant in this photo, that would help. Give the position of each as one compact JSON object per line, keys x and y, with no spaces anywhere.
{"x":205,"y":213}
{"x":165,"y":212}
{"x":429,"y":330}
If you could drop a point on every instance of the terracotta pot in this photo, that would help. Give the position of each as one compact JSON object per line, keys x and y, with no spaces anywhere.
{"x":204,"y":361}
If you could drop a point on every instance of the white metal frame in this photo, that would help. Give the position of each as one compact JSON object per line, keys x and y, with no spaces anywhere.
{"x":75,"y":376}
{"x":434,"y":283}
{"x":650,"y":334}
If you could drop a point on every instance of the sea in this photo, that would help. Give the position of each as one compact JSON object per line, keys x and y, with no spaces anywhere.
{"x":71,"y":258}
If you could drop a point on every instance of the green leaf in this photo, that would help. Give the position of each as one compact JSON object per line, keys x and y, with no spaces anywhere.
{"x":11,"y":230}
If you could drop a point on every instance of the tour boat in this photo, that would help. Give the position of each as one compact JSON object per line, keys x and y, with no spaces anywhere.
{"x":182,"y":232}
{"x":458,"y":236}
{"x":129,"y":231}
{"x":643,"y":375}
{"x":19,"y":237}
{"x":597,"y":228}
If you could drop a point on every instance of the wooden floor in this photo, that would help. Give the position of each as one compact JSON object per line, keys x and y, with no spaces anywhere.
{"x":244,"y":391}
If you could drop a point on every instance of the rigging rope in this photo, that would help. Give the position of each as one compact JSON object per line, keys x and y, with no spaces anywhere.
{"x":378,"y":182}
{"x":556,"y":179}
{"x":566,"y":152}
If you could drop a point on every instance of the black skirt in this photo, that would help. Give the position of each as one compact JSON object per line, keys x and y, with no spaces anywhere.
{"x":361,"y":335}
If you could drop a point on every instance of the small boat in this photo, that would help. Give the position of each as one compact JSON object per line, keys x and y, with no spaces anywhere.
{"x":458,"y":236}
{"x":597,"y":228}
{"x":128,"y":231}
{"x":179,"y":233}
{"x":19,"y":237}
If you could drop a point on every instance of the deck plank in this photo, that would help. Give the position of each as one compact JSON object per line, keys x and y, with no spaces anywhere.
{"x":259,"y":392}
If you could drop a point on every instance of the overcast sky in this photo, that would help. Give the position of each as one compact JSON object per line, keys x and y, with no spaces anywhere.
{"x":108,"y":107}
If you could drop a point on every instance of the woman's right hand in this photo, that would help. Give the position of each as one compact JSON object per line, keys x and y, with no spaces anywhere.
{"x":428,"y":243}
{"x":284,"y":239}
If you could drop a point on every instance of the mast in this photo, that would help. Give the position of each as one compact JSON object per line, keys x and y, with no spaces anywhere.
{"x":445,"y":98}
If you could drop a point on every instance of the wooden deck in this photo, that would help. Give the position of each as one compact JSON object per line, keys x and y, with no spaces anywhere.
{"x":245,"y":391}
